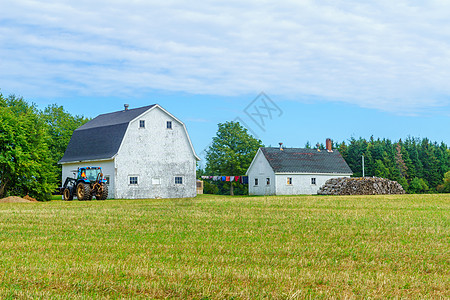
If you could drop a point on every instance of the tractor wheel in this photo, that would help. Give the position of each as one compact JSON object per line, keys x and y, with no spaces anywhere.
{"x":67,"y":195}
{"x":83,"y":191}
{"x":104,"y":194}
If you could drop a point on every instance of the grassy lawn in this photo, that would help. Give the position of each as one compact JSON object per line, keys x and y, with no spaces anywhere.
{"x":224,"y":247}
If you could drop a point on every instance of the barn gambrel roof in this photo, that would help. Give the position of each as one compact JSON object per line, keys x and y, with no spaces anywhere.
{"x":100,"y":138}
{"x":309,"y":161}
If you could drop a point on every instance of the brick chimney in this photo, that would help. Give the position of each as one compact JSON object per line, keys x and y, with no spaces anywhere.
{"x":329,"y":145}
{"x":126,"y":106}
{"x":281,"y":146}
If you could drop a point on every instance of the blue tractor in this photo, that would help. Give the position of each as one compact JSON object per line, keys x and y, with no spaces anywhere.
{"x":88,"y":184}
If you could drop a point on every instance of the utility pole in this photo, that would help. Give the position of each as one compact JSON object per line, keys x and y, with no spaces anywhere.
{"x":363,"y":164}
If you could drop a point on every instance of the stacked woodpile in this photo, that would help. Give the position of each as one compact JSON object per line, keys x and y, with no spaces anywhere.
{"x":360,"y":186}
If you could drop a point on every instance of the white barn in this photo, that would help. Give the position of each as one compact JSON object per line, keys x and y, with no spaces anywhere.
{"x":294,"y":171}
{"x":144,"y":153}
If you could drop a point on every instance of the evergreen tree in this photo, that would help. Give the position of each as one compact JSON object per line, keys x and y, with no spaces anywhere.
{"x":381,"y":170}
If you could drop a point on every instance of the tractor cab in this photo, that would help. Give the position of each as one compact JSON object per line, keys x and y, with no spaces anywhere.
{"x":90,"y":174}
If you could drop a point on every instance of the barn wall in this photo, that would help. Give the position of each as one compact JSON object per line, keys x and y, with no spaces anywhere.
{"x":262,"y":170}
{"x":156,"y":155}
{"x":107,"y":168}
{"x":301,"y":183}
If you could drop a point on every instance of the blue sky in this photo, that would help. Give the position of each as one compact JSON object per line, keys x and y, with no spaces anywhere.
{"x":331,"y":68}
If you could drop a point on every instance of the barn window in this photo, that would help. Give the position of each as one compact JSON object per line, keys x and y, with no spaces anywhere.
{"x":256,"y":181}
{"x":107,"y":179}
{"x":142,"y":124}
{"x":169,"y":124}
{"x":268,"y":181}
{"x":178,"y":180}
{"x":313,"y":181}
{"x":289,"y":181}
{"x":133,"y":180}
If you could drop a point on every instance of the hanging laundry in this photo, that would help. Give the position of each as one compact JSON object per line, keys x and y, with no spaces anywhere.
{"x":245,"y":179}
{"x":227,"y":178}
{"x":236,"y":178}
{"x":224,"y":178}
{"x":231,"y":178}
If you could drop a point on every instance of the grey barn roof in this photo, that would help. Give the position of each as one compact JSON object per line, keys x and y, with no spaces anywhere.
{"x":101,"y":137}
{"x":299,"y":160}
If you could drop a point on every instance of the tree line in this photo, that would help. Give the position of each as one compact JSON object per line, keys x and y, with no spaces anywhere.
{"x":32,"y":141}
{"x":419,"y":165}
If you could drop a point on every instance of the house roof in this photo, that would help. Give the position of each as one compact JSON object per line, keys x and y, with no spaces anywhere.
{"x":299,"y":160}
{"x":101,"y":137}
{"x":115,"y":118}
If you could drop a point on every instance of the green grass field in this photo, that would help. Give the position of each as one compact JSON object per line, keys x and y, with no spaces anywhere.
{"x":228,"y":247}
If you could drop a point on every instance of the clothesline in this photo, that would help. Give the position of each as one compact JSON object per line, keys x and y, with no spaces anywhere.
{"x":240,"y":179}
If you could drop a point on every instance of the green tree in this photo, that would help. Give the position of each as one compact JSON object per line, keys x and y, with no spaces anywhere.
{"x":381,"y":170}
{"x":445,"y":187}
{"x":404,"y":183}
{"x":209,"y":188}
{"x":355,"y":150}
{"x":231,"y":152}
{"x":60,"y":126}
{"x":427,"y":154}
{"x":25,"y":160}
{"x":418,"y":185}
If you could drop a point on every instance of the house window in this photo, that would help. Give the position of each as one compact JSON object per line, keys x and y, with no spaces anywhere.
{"x":256,"y":181}
{"x":142,"y":124}
{"x":169,"y":124}
{"x":268,"y":181}
{"x":133,"y":180}
{"x":289,"y":181}
{"x":107,"y":179}
{"x":313,"y":181}
{"x":178,"y":180}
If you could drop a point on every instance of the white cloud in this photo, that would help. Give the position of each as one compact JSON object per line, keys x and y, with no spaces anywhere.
{"x":390,"y":55}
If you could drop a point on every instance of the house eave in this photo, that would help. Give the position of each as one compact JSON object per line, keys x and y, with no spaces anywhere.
{"x":311,"y":173}
{"x":87,"y":160}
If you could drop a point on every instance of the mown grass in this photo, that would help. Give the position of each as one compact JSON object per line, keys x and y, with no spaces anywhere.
{"x":228,"y":247}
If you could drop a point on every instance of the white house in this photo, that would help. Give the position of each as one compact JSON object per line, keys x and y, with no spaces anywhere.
{"x":144,"y":153}
{"x":294,"y":171}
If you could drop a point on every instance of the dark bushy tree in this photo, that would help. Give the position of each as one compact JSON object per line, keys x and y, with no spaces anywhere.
{"x":25,"y":160}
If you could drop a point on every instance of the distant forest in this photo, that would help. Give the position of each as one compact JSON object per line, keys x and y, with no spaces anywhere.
{"x":417,"y":164}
